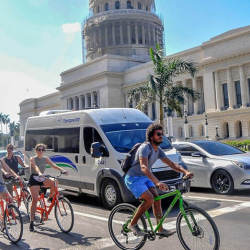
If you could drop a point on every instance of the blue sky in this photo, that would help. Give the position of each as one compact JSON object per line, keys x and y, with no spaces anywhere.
{"x":41,"y":38}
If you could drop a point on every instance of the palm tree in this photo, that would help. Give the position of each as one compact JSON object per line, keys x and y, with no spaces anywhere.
{"x":2,"y":121}
{"x":160,"y":86}
{"x":7,"y":121}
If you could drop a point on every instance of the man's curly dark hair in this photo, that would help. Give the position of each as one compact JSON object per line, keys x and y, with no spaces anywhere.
{"x":151,"y":129}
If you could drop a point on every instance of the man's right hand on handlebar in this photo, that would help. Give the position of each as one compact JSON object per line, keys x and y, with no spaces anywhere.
{"x":189,"y":175}
{"x":162,"y":186}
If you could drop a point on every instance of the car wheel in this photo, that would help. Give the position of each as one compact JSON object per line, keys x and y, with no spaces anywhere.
{"x":222,"y":182}
{"x":110,"y":194}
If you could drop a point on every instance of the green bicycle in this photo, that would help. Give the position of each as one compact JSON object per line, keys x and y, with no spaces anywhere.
{"x":195,"y":228}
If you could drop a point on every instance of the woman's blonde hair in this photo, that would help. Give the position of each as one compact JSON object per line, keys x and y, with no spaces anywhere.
{"x":40,"y":145}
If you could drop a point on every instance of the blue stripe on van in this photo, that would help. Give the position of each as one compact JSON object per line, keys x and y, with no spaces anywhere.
{"x":63,"y":159}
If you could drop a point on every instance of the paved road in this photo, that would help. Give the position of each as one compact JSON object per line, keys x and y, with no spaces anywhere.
{"x":231,"y":214}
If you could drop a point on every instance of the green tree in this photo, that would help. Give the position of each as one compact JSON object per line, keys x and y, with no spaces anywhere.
{"x":160,"y":86}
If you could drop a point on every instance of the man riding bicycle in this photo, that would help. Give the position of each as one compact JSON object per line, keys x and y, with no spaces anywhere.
{"x":141,"y":181}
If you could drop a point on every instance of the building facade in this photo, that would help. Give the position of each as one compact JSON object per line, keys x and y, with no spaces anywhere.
{"x":107,"y":76}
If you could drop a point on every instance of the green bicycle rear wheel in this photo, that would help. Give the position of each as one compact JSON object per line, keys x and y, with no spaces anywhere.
{"x":120,"y":234}
{"x":205,"y":233}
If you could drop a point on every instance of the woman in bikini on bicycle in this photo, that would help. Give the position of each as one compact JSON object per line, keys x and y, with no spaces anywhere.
{"x":37,"y":179}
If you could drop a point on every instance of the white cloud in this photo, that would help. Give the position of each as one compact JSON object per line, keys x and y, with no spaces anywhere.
{"x":71,"y":27}
{"x":19,"y":81}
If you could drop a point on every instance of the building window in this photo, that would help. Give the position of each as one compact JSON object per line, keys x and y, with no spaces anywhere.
{"x":238,"y":93}
{"x":180,"y":132}
{"x":191,"y":131}
{"x":98,"y":9}
{"x":146,"y":8}
{"x":129,"y":6}
{"x":106,"y":6}
{"x":139,"y":6}
{"x":249,"y":87}
{"x":225,"y":95}
{"x":117,"y":5}
{"x":153,"y":111}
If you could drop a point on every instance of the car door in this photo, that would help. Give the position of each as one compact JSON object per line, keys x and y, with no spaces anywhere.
{"x":198,"y":165}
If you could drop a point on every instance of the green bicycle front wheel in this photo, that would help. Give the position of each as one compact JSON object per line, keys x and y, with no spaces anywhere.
{"x":120,"y":234}
{"x":205,"y":233}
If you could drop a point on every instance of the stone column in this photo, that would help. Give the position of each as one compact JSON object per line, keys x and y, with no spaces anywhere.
{"x":218,"y":91}
{"x":86,"y":101}
{"x":74,"y":103}
{"x":149,"y":35}
{"x":80,"y":102}
{"x":136,"y":33}
{"x":243,"y":87}
{"x":91,"y":99}
{"x":129,"y":35}
{"x":98,"y":98}
{"x":150,"y":111}
{"x":121,"y":34}
{"x":184,"y":83}
{"x":106,"y":35}
{"x":195,"y":103}
{"x":94,"y":37}
{"x":154,"y":36}
{"x":100,"y":36}
{"x":143,"y":33}
{"x":230,"y":89}
{"x":113,"y":33}
{"x":69,"y":104}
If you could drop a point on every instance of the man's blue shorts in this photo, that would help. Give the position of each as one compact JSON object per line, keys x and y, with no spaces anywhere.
{"x":138,"y":184}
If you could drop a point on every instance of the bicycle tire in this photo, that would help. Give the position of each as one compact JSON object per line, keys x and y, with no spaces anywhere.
{"x":26,"y":194}
{"x":64,"y":214}
{"x":205,"y":235}
{"x":13,"y":223}
{"x":121,"y":236}
{"x":38,"y":219}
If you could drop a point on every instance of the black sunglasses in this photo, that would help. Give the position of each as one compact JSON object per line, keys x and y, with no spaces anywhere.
{"x":9,"y":148}
{"x":41,"y":149}
{"x":159,"y":134}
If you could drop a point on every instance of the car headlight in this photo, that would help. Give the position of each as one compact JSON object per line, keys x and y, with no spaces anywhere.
{"x":241,"y":165}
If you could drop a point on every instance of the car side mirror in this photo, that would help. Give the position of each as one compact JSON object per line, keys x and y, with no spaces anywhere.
{"x":97,"y":150}
{"x":198,"y":154}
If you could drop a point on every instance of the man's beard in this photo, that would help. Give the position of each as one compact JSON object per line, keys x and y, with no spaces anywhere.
{"x":156,"y":142}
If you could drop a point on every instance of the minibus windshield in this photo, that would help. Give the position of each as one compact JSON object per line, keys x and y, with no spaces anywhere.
{"x":124,"y":136}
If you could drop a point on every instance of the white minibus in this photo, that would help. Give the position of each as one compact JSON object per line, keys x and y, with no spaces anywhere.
{"x":70,"y":137}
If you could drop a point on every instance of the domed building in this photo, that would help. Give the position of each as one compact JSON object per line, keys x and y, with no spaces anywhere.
{"x":123,"y":28}
{"x":117,"y":36}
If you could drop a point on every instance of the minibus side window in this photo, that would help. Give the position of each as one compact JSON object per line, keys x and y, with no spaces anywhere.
{"x":64,"y":140}
{"x":91,"y":135}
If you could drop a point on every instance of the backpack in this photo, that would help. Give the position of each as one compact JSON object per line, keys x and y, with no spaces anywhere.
{"x":126,"y":162}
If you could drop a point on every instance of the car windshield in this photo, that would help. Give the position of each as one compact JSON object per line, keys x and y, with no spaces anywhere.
{"x":218,"y":148}
{"x":124,"y":136}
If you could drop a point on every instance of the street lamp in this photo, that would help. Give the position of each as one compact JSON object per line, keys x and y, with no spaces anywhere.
{"x":169,"y":122}
{"x":186,"y":126}
{"x":206,"y":127}
{"x":217,"y":137}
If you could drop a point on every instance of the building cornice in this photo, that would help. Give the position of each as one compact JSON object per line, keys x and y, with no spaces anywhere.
{"x":93,"y":77}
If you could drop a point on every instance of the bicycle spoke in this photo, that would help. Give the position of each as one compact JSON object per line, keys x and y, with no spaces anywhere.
{"x":205,"y":234}
{"x":64,"y":215}
{"x":13,"y":223}
{"x":122,"y":237}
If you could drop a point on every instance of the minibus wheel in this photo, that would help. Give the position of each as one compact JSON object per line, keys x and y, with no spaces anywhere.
{"x":110,"y":194}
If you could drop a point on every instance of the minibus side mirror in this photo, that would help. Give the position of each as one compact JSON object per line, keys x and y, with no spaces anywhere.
{"x":97,"y":149}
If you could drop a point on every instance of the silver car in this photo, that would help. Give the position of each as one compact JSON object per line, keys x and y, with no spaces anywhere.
{"x":216,"y":165}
